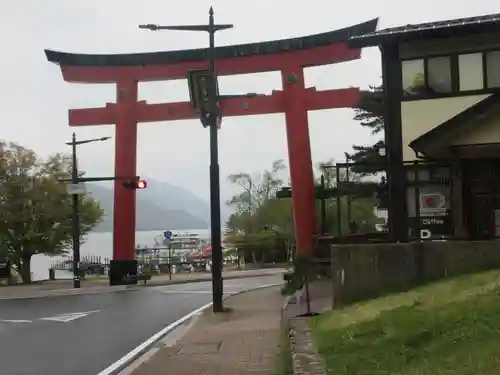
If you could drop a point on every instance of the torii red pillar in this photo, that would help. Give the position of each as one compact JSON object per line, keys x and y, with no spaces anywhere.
{"x":288,"y":56}
{"x":299,"y":156}
{"x":125,"y":165}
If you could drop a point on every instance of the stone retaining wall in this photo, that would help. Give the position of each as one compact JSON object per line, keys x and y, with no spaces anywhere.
{"x":368,"y":270}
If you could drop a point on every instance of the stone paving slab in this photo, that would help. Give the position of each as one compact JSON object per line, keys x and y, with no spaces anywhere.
{"x":244,"y":341}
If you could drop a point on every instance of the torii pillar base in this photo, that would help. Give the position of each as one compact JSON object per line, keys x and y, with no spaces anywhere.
{"x":122,"y":272}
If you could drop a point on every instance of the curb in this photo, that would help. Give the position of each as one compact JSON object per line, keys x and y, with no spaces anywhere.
{"x":132,"y":356}
{"x":64,"y":293}
{"x":304,"y":355}
{"x":178,"y":282}
{"x":126,"y":288}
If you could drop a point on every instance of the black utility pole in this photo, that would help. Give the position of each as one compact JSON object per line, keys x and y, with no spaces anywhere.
{"x":339,"y":200}
{"x":217,"y":284}
{"x":75,"y":220}
{"x":323,"y":205}
{"x":348,"y":195}
{"x":211,"y":116}
{"x":170,"y":269}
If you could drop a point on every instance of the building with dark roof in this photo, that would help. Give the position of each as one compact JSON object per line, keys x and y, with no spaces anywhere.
{"x":442,"y":118}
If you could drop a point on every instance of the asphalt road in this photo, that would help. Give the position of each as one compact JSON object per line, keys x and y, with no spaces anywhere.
{"x":116,"y":323}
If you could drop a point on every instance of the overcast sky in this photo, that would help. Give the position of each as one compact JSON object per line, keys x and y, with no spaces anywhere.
{"x":35,"y":100}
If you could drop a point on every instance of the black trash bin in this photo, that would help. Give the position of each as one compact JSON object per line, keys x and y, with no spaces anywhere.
{"x":52,"y":274}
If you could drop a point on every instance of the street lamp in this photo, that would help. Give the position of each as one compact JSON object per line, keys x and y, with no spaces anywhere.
{"x":75,"y":222}
{"x":212,"y":119}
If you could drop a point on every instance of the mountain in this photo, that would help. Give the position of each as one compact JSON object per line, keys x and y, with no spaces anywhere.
{"x":175,"y":198}
{"x":154,"y":212}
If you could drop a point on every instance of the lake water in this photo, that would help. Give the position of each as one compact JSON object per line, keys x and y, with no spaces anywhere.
{"x":100,"y":244}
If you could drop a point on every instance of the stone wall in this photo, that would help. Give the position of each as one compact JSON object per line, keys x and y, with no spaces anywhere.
{"x":369,"y":270}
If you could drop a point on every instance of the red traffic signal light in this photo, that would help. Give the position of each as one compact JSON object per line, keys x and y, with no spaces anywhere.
{"x":135,"y":184}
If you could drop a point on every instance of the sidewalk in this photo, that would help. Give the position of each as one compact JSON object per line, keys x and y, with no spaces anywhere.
{"x":65,"y":287}
{"x":244,"y":341}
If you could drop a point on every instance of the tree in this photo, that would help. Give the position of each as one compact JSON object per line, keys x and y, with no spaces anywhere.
{"x":262,"y":225}
{"x":256,"y":207}
{"x":370,"y":114}
{"x":370,"y":111}
{"x":35,"y":210}
{"x":257,"y":188}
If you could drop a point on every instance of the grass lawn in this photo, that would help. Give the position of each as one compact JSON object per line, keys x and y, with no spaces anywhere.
{"x":446,"y":328}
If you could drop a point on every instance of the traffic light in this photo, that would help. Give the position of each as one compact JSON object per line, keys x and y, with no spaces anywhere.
{"x":135,"y":184}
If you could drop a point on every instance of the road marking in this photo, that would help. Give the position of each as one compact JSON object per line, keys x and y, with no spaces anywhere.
{"x":68,"y":317}
{"x":123,"y":362}
{"x":190,"y":292}
{"x":15,"y":321}
{"x":143,"y":348}
{"x":186,"y":292}
{"x":168,"y":341}
{"x":169,"y":290}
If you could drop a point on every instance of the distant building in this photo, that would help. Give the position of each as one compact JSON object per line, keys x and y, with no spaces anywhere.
{"x":181,"y":244}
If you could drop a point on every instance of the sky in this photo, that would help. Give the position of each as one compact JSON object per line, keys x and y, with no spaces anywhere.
{"x":35,"y":99}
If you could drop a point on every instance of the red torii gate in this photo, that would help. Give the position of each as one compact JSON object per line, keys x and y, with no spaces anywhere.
{"x":289,"y":56}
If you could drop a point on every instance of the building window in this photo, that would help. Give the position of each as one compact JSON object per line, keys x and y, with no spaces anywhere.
{"x":413,"y":77}
{"x":443,"y":76}
{"x":493,"y":69}
{"x":439,"y":74}
{"x":470,"y":71}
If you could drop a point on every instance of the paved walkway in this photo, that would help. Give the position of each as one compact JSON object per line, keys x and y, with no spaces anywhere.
{"x":65,"y":287}
{"x":244,"y":341}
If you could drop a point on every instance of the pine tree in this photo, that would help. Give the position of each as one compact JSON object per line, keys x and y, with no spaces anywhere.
{"x":370,"y":114}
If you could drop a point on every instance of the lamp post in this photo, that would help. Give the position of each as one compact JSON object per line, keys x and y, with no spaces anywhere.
{"x":75,"y":221}
{"x":213,"y":116}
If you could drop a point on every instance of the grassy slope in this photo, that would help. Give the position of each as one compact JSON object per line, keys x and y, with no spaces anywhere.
{"x":447,"y":328}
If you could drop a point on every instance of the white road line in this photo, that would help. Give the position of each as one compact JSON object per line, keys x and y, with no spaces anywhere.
{"x":186,"y":292}
{"x":190,"y":292}
{"x":168,"y":341}
{"x":15,"y":321}
{"x":68,"y":317}
{"x":233,"y":286}
{"x":137,"y":363}
{"x":142,"y":348}
{"x":128,"y":359}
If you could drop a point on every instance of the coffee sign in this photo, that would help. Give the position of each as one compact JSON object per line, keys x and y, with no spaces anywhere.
{"x":426,"y":221}
{"x":429,"y":227}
